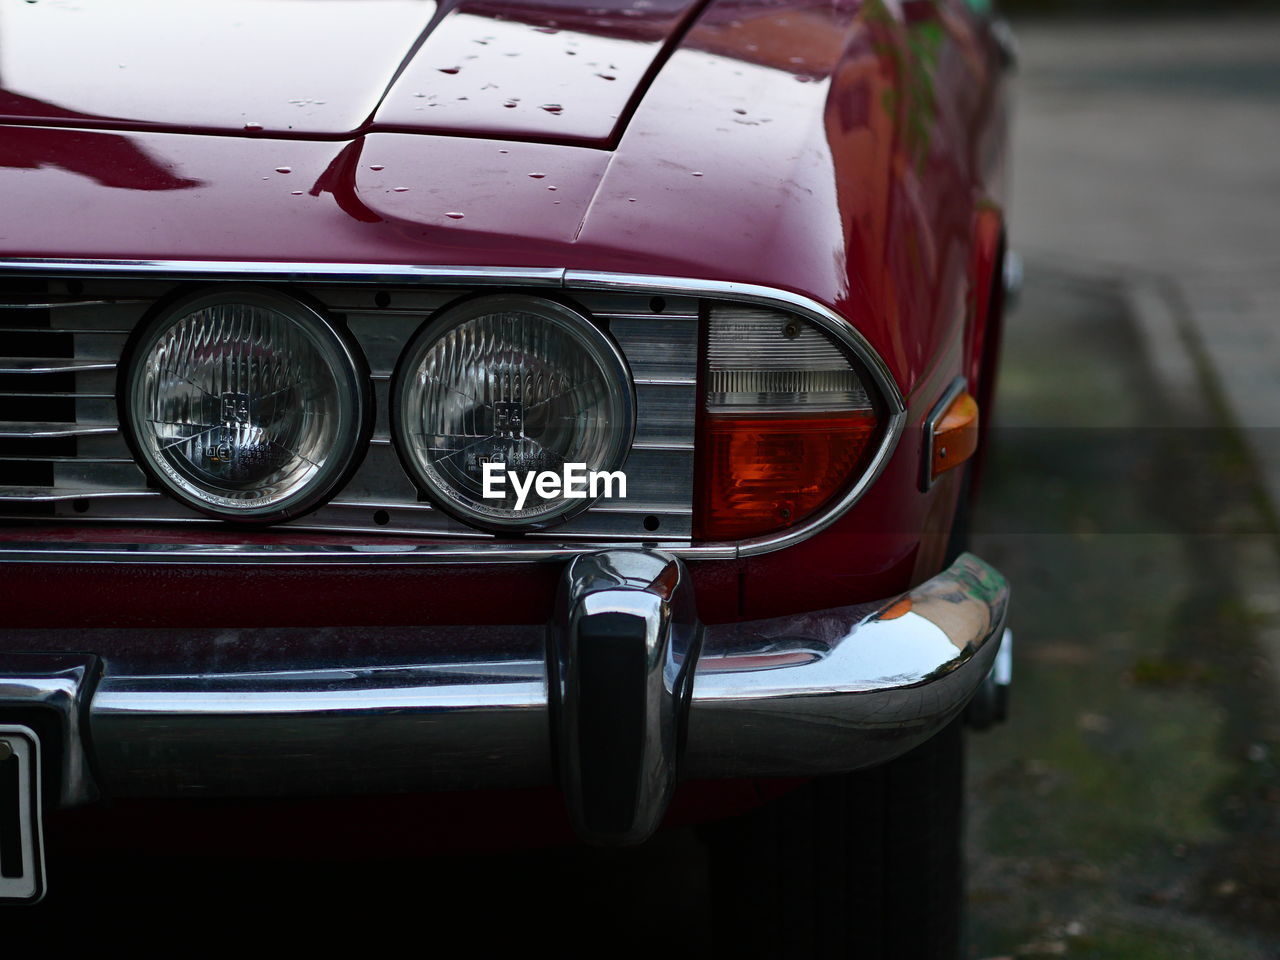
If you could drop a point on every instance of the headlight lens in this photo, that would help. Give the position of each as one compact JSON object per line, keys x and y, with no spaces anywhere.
{"x":246,"y":404}
{"x":519,"y":381}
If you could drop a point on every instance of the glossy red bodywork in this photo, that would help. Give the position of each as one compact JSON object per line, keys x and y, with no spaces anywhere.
{"x":848,"y":151}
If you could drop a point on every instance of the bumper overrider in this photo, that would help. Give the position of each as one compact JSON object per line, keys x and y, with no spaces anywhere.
{"x":622,"y":696}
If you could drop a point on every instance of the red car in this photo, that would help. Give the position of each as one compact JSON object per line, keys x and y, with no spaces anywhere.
{"x":410,"y":399}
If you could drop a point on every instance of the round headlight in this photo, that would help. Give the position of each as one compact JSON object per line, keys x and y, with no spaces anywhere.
{"x":245,"y":404}
{"x":524,"y":383}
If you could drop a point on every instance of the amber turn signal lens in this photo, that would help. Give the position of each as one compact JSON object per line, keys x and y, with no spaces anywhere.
{"x":955,"y":438}
{"x":766,"y":474}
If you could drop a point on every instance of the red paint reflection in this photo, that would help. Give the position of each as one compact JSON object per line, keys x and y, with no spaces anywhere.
{"x":106,"y":158}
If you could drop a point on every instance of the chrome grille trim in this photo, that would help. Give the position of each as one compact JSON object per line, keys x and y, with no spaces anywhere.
{"x":39,"y":429}
{"x":308,"y":554}
{"x":65,"y":494}
{"x":60,"y":304}
{"x":595,"y":290}
{"x":282,"y":271}
{"x":39,"y":458}
{"x":38,"y":366}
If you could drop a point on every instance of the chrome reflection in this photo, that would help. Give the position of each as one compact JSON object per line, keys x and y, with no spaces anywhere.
{"x":54,"y":685}
{"x":810,"y":689}
{"x":620,"y":654}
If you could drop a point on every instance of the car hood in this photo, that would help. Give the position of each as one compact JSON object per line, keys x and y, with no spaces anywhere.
{"x":566,"y":72}
{"x":772,"y":147}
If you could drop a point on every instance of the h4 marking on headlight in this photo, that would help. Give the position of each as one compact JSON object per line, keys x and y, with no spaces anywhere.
{"x":508,"y":419}
{"x":235,"y":408}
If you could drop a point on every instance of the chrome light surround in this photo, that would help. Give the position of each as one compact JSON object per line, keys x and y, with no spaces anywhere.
{"x":480,"y":379}
{"x":282,"y":401}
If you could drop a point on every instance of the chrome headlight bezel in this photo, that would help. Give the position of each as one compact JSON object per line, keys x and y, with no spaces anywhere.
{"x":601,"y":348}
{"x":354,"y":406}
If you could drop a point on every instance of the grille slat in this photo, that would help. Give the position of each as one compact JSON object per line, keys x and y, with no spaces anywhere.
{"x":57,"y":494}
{"x":62,"y":304}
{"x":42,"y":366}
{"x":50,"y":458}
{"x":30,"y":429}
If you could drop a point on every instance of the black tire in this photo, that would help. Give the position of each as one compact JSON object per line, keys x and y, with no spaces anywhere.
{"x":866,"y":864}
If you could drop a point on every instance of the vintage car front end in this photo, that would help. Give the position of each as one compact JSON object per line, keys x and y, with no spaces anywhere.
{"x":454,"y":440}
{"x":390,"y":636}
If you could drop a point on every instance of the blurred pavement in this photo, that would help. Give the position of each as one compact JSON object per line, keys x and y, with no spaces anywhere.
{"x":1150,"y":150}
{"x":1131,"y":808}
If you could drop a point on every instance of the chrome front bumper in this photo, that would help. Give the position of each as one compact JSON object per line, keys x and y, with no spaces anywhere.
{"x":624,"y":695}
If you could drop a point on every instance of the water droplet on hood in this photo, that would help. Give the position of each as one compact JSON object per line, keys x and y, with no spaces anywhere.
{"x":284,"y":169}
{"x":454,"y":216}
{"x":606,"y":76}
{"x":696,"y":173}
{"x":376,"y":166}
{"x":537,"y":176}
{"x":253,"y":127}
{"x":553,"y":108}
{"x":400,"y":189}
{"x":449,"y":70}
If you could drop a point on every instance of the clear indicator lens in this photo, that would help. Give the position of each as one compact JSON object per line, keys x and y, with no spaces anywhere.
{"x":760,"y":361}
{"x":246,"y":406}
{"x":525,"y":384}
